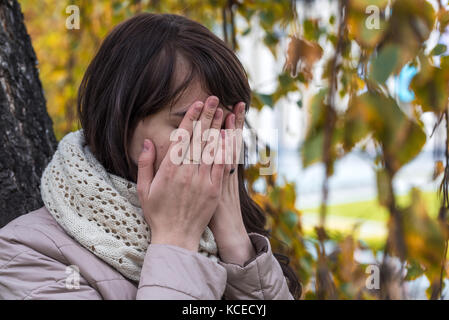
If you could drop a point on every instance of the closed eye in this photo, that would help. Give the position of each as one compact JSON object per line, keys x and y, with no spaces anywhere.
{"x":179,"y":114}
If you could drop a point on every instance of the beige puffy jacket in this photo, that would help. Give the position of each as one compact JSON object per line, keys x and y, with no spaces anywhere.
{"x":39,"y":260}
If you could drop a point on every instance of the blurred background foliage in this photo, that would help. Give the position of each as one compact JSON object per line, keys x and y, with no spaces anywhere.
{"x":356,"y":107}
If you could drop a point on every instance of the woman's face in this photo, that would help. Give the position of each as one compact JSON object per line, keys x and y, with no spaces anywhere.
{"x":160,"y":125}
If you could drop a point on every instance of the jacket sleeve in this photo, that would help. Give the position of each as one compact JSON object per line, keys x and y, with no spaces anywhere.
{"x":168,"y":272}
{"x":175,"y":273}
{"x":26,"y":273}
{"x":260,"y":278}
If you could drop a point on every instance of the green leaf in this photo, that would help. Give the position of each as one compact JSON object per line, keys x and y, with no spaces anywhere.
{"x":247,"y":31}
{"x":356,"y":125}
{"x":439,"y":49}
{"x":290,"y":218}
{"x":423,"y":235}
{"x":385,"y":63}
{"x":267,"y":18}
{"x":401,"y":137}
{"x":312,"y":149}
{"x":313,"y":145}
{"x":260,"y":100}
{"x":430,"y":85}
{"x":414,"y":271}
{"x":383,"y":191}
{"x":266,"y":99}
{"x":271,"y":40}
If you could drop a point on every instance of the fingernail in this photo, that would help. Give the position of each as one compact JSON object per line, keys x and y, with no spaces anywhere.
{"x":146,"y":145}
{"x":199,"y":106}
{"x":213,"y":102}
{"x":232,"y":119}
{"x":242,"y":107}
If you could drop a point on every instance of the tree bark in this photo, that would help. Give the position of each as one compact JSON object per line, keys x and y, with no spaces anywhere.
{"x":26,"y":134}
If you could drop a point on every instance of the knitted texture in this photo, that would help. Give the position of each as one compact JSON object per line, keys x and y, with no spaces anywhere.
{"x":101,"y":210}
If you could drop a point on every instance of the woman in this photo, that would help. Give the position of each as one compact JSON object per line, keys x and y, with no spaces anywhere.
{"x":121,"y":219}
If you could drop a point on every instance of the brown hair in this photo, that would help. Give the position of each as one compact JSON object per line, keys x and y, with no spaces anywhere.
{"x":131,"y":77}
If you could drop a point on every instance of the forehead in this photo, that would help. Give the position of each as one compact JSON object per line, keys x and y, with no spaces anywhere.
{"x":195,"y":90}
{"x":192,"y":93}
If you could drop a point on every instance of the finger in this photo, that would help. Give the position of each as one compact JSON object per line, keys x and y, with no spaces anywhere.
{"x":239,"y":111}
{"x":212,"y":139}
{"x":194,"y":150}
{"x":184,"y":132}
{"x":145,"y":171}
{"x":230,"y":157}
{"x":206,"y":120}
{"x":218,"y":119}
{"x":216,"y":173}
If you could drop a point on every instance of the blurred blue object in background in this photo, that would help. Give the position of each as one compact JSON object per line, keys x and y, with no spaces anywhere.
{"x":403,"y":84}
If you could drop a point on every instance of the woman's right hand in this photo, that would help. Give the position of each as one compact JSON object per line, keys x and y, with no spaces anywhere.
{"x":179,"y":201}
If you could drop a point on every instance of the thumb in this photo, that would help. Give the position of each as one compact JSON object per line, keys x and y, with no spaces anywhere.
{"x":145,"y":171}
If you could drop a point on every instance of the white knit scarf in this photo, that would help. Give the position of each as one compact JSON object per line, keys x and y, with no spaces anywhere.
{"x":101,"y":210}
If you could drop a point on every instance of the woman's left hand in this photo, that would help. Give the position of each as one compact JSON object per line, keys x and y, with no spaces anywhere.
{"x":233,"y":242}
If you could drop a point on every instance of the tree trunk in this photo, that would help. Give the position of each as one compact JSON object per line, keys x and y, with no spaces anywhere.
{"x":26,"y":134}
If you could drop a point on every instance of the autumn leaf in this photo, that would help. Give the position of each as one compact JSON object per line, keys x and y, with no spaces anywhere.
{"x":302,"y":52}
{"x":401,"y":137}
{"x":423,"y":235}
{"x":438,"y":169}
{"x":431,"y":85}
